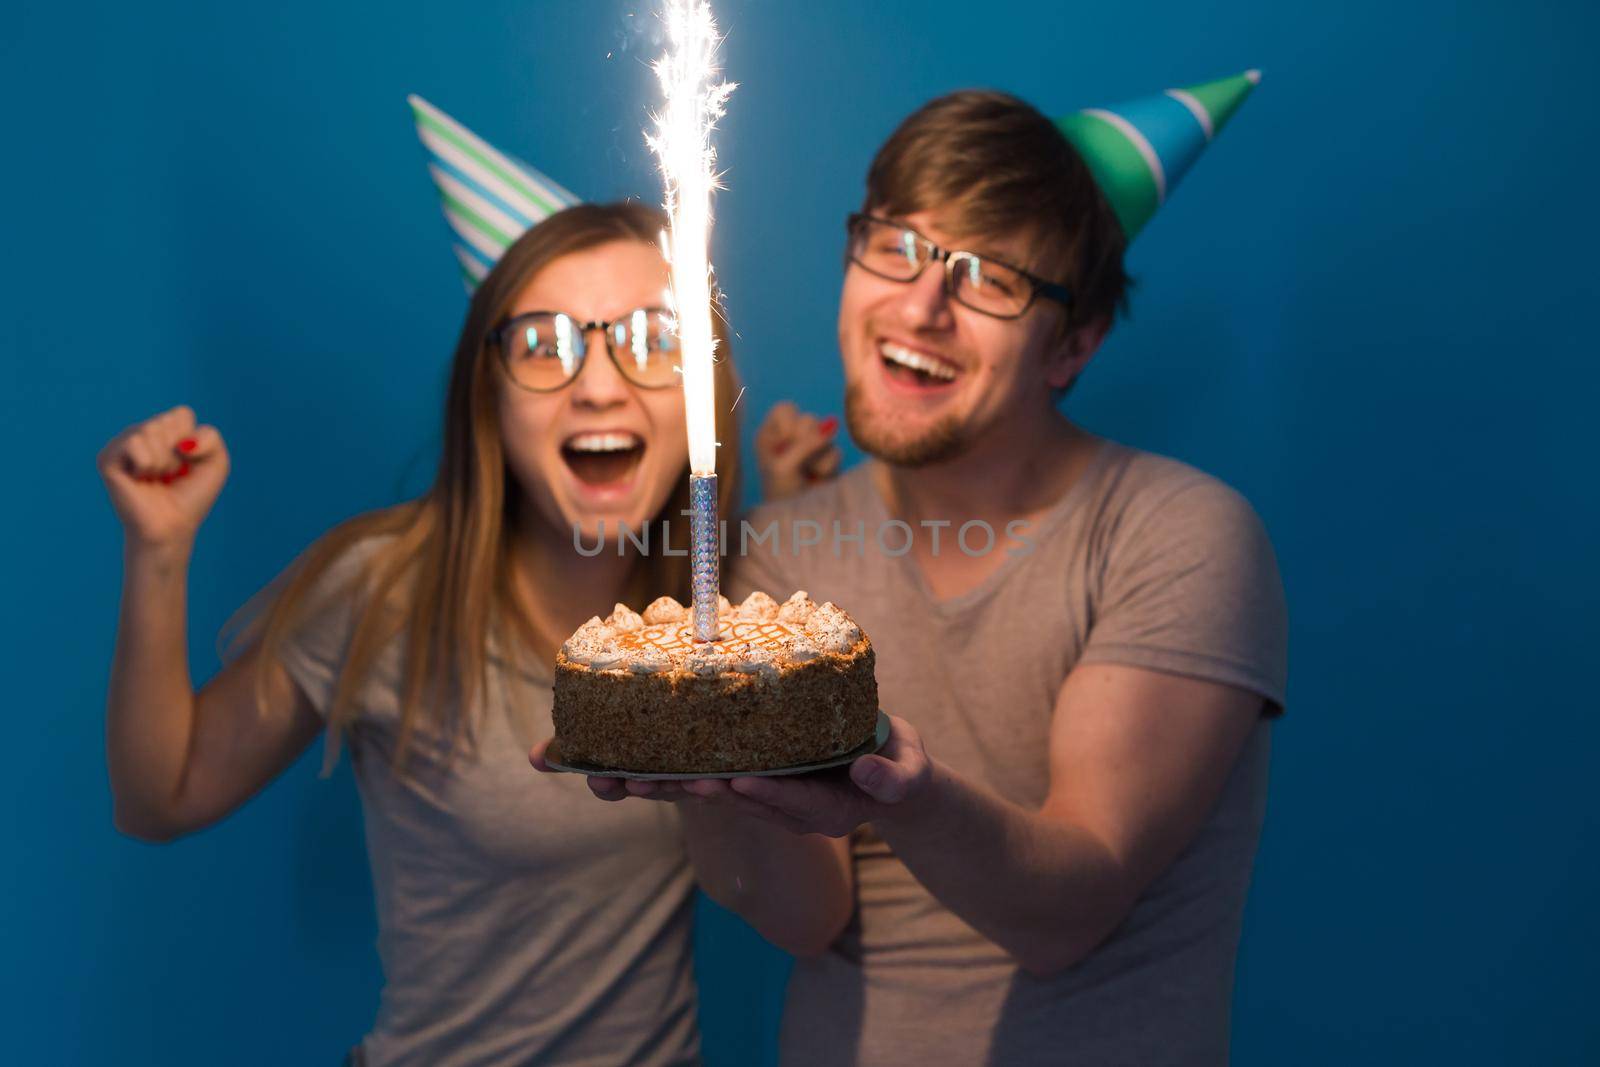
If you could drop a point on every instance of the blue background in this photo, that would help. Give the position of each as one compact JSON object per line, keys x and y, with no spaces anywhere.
{"x":1368,"y":307}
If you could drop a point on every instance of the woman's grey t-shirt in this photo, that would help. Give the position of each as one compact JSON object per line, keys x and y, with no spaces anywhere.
{"x":1145,"y":562}
{"x":519,"y":919}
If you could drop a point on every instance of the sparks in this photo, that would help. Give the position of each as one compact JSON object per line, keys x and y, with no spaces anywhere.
{"x":693,"y":100}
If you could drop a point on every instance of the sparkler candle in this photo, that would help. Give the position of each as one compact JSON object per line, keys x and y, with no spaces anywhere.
{"x":693,"y":100}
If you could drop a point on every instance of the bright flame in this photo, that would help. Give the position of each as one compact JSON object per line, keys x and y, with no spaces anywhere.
{"x":693,"y":102}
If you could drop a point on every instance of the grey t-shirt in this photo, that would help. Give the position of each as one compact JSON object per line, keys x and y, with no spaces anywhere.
{"x":519,"y":920}
{"x":1145,"y":562}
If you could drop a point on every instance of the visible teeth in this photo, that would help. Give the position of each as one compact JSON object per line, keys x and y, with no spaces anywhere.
{"x":933,"y":368}
{"x":602,"y":442}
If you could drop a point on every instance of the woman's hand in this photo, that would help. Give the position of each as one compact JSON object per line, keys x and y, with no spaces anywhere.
{"x":180,"y":760}
{"x":163,"y":475}
{"x":794,"y":450}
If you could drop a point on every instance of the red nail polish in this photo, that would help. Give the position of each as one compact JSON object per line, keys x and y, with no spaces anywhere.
{"x":828,"y":425}
{"x":166,"y":479}
{"x":188,"y":444}
{"x":183,"y":472}
{"x":780,"y":448}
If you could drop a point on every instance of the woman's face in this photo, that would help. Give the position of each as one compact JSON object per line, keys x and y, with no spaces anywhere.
{"x":600,"y":448}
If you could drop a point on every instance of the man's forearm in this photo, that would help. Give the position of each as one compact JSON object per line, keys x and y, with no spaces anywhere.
{"x":795,"y":890}
{"x":1045,"y":891}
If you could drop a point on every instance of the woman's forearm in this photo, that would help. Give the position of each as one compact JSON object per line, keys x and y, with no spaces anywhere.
{"x":150,"y":708}
{"x":795,"y":890}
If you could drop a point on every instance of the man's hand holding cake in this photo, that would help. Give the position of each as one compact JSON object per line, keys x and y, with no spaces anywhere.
{"x":831,"y":803}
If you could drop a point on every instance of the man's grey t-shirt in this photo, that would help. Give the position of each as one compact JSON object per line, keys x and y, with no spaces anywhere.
{"x":519,"y":920}
{"x":1143,"y":562}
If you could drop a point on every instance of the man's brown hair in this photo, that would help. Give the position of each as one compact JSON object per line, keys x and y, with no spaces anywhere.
{"x":993,"y":165}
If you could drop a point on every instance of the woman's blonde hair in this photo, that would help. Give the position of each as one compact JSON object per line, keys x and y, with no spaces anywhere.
{"x":440,"y":577}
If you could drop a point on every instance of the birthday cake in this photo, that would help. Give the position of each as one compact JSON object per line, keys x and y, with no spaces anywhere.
{"x":783,"y":685}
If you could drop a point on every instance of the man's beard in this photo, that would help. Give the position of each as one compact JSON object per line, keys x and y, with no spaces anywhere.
{"x":945,"y":439}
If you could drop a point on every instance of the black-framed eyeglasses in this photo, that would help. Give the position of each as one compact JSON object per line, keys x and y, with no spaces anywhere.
{"x":987,"y":285}
{"x":543,"y":351}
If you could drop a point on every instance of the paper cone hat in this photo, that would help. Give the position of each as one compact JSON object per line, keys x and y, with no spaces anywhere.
{"x":489,"y":198}
{"x":1138,"y":151}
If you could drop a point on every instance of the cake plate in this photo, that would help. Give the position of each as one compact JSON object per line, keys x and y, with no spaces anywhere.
{"x":553,"y":760}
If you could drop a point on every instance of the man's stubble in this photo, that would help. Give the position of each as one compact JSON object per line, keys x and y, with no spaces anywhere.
{"x":944,"y":440}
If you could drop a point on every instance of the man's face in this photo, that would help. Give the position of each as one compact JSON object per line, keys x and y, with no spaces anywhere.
{"x":925,"y":377}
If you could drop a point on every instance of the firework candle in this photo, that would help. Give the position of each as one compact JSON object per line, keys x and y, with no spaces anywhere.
{"x":704,"y":545}
{"x":693,"y":100}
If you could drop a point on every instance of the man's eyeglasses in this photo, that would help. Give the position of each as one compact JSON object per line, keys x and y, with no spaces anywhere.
{"x":895,"y":251}
{"x":544,"y":350}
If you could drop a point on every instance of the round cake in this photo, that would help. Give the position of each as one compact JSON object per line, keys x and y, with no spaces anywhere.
{"x":781,"y":686}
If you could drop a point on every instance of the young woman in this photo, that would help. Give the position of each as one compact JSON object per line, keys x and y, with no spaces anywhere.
{"x":518,"y":920}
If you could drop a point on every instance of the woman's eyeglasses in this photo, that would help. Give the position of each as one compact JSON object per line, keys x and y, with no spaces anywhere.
{"x":895,"y":251}
{"x":543,"y":351}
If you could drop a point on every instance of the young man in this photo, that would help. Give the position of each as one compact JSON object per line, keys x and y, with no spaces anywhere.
{"x":1048,"y":862}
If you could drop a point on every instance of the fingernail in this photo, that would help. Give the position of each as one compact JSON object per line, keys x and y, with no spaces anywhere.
{"x":828,"y":425}
{"x":780,"y":448}
{"x":188,"y":444}
{"x":166,"y":479}
{"x":183,"y":471}
{"x":871,"y":776}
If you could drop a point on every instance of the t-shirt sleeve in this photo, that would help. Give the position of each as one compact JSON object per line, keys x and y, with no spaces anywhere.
{"x":1192,"y":588}
{"x":314,"y":651}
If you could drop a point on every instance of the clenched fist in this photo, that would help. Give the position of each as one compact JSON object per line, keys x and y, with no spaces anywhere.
{"x":794,"y":450}
{"x":163,"y":475}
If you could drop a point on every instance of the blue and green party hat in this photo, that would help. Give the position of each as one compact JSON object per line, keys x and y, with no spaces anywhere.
{"x":1138,"y":151}
{"x":489,"y":198}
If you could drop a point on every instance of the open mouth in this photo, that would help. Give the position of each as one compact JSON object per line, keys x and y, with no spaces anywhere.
{"x":915,"y":368}
{"x":603,"y":459}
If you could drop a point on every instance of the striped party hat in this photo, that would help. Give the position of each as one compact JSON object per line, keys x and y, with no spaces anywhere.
{"x":489,"y":198}
{"x":1138,"y":151}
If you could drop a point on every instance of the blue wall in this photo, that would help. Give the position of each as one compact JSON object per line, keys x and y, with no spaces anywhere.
{"x":1368,"y":308}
